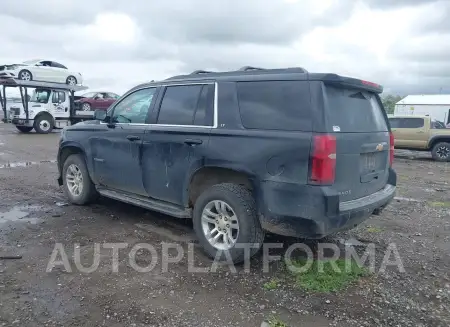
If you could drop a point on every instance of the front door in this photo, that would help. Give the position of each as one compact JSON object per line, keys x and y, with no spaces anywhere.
{"x":174,"y":148}
{"x":117,"y":152}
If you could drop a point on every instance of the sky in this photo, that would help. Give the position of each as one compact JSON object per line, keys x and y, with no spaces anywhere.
{"x":403,"y":45}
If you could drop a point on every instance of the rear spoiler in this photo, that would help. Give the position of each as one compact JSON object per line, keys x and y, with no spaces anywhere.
{"x":352,"y":82}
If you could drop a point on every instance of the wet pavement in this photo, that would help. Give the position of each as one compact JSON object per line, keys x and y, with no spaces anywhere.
{"x":34,"y":218}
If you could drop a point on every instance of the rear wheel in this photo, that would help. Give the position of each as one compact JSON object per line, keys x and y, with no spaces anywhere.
{"x":24,"y":129}
{"x":441,"y":151}
{"x":43,"y":124}
{"x":71,"y":80}
{"x":25,"y":75}
{"x":225,"y":219}
{"x":77,"y":183}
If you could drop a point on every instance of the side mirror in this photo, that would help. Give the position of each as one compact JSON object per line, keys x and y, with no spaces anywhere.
{"x":99,"y":114}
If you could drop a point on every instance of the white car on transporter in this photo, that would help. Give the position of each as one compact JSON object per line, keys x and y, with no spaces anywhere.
{"x":41,"y":70}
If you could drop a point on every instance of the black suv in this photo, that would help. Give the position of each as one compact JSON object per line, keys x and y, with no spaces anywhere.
{"x":242,"y":152}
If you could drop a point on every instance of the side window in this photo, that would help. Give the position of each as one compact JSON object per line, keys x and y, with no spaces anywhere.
{"x":111,"y":96}
{"x":179,"y":105}
{"x":275,"y":105}
{"x":394,"y":122}
{"x":412,"y":123}
{"x":133,"y":109}
{"x":57,"y":65}
{"x":205,"y":109}
{"x":58,"y":97}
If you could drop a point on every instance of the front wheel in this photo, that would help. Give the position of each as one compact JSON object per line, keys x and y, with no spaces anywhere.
{"x":77,"y":183}
{"x":43,"y":124}
{"x":441,"y":151}
{"x":225,"y":220}
{"x":24,"y":129}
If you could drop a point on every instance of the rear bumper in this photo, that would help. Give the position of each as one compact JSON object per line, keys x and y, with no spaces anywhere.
{"x":315,"y":212}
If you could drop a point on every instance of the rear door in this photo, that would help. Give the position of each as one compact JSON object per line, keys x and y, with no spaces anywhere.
{"x":357,"y":120}
{"x":174,"y":147}
{"x":413,"y":132}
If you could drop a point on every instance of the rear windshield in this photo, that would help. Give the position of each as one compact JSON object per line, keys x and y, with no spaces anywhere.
{"x":353,"y":111}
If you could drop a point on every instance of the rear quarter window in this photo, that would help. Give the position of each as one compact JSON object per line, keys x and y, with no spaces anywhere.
{"x":275,"y":105}
{"x":353,"y":110}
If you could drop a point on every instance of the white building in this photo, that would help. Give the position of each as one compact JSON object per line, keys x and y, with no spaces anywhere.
{"x":437,"y":106}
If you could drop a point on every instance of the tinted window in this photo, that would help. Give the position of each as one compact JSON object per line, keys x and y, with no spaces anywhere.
{"x":134,"y":107}
{"x":350,"y":110}
{"x":394,"y":122}
{"x":179,"y":104}
{"x":274,"y":105}
{"x":55,"y":64}
{"x":406,"y":122}
{"x":412,"y":123}
{"x":205,"y":108}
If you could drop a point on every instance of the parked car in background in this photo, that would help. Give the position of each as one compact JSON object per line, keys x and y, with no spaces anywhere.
{"x":421,"y":133}
{"x":243,"y":152}
{"x":95,"y":100}
{"x":41,"y":70}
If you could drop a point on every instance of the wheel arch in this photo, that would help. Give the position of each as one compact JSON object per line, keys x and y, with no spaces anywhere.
{"x":207,"y":176}
{"x":46,"y":113}
{"x":438,"y":139}
{"x":67,"y":150}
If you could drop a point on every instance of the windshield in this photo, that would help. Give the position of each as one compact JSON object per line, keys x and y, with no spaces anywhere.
{"x":40,"y":96}
{"x":31,"y":62}
{"x":89,"y":95}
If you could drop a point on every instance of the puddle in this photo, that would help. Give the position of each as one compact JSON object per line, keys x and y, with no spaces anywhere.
{"x":25,"y":163}
{"x":19,"y":213}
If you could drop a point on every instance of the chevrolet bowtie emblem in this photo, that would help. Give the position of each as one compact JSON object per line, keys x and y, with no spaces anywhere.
{"x":379,"y":147}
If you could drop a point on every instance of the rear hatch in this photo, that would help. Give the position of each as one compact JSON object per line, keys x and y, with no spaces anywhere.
{"x":355,"y":117}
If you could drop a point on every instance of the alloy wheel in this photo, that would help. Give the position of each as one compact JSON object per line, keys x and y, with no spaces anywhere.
{"x":25,"y":76}
{"x":443,"y":152}
{"x":220,"y":225}
{"x":74,"y":180}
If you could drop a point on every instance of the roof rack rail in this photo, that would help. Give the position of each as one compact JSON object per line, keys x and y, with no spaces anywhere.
{"x":247,"y":68}
{"x":197,"y":72}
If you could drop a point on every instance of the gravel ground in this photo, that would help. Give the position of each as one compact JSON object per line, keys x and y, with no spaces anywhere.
{"x":32,"y":221}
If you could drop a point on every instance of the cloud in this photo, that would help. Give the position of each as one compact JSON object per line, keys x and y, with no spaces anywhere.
{"x":118,"y":44}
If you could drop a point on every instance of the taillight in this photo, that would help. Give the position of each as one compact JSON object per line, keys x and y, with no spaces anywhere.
{"x":391,"y":148}
{"x":323,"y":160}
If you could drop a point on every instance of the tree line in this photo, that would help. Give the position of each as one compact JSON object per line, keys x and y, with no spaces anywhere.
{"x":389,"y":102}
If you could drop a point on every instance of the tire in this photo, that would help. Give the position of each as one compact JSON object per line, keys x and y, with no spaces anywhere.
{"x":441,"y":152}
{"x":24,"y":129}
{"x":43,"y":124}
{"x":86,"y":106}
{"x":25,"y":75}
{"x":71,"y":80}
{"x":241,"y":202}
{"x":75,"y":165}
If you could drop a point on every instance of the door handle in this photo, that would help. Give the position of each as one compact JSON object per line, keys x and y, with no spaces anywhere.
{"x":133,"y":138}
{"x":193,"y":142}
